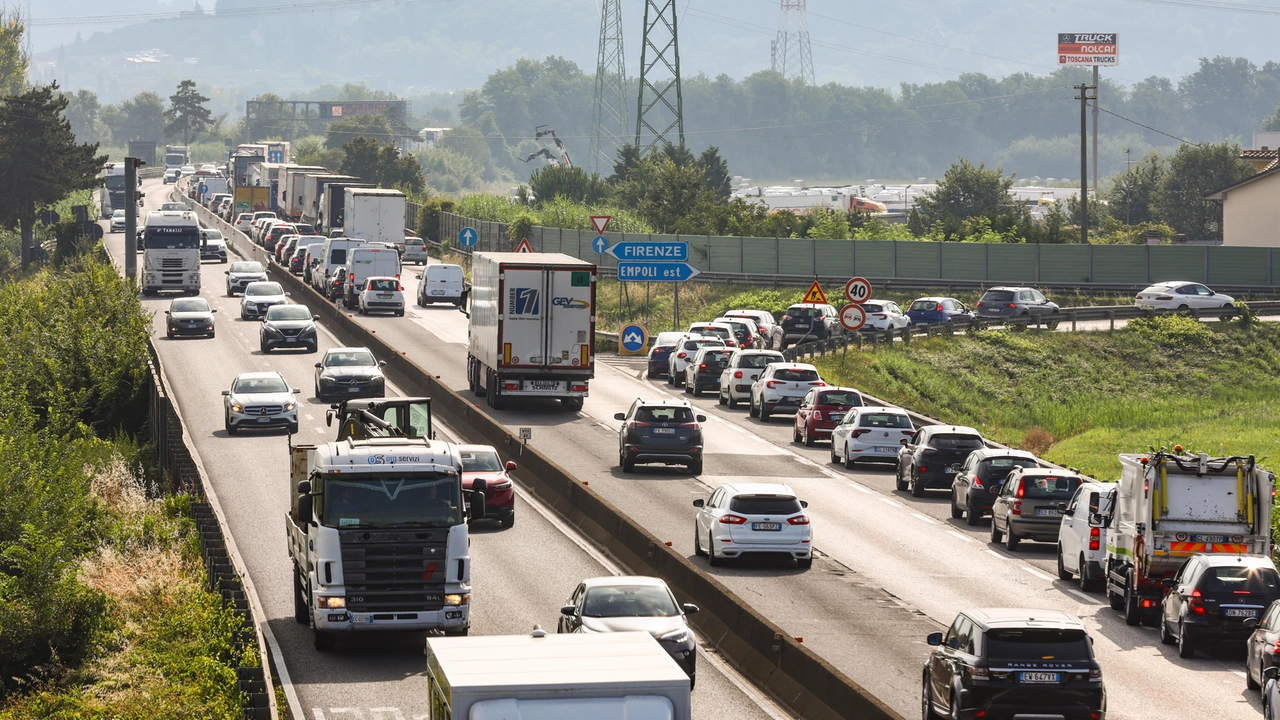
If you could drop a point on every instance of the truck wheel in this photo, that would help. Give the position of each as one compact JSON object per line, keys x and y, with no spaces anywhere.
{"x":301,"y":609}
{"x":1132,"y":613}
{"x":456,"y":632}
{"x":323,"y":641}
{"x":1116,"y":601}
{"x":573,"y":404}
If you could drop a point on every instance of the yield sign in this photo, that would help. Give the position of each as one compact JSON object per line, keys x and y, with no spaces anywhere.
{"x":815,"y":295}
{"x":524,"y":246}
{"x":601,"y":222}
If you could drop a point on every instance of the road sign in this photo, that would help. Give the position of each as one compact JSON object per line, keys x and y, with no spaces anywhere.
{"x":1088,"y":49}
{"x":632,"y":339}
{"x":601,"y":223}
{"x":600,"y":244}
{"x":665,"y":251}
{"x":815,"y":295}
{"x":204,"y":188}
{"x":467,"y":237}
{"x":633,"y":271}
{"x":49,"y":217}
{"x":853,"y":317}
{"x":858,"y":290}
{"x":524,"y":246}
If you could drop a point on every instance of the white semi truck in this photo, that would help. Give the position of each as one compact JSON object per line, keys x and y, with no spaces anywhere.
{"x":377,"y":533}
{"x":1171,"y":505}
{"x":541,"y":676}
{"x":533,"y":323}
{"x":171,"y":252}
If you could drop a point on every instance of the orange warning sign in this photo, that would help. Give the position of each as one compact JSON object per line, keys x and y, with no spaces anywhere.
{"x":815,"y":295}
{"x":524,"y":246}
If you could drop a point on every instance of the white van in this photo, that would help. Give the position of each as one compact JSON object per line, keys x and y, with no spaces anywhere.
{"x":441,"y":283}
{"x":381,"y":294}
{"x":1082,"y":539}
{"x":332,"y":257}
{"x":364,"y":262}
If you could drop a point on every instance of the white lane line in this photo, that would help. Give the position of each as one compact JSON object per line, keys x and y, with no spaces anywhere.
{"x":1238,"y":672}
{"x":889,"y":501}
{"x":924,"y":518}
{"x":959,"y":535}
{"x":737,"y":427}
{"x":861,"y":489}
{"x":993,"y":553}
{"x":320,"y":430}
{"x":606,"y":427}
{"x":309,"y":416}
{"x":1038,"y":573}
{"x":1082,"y":597}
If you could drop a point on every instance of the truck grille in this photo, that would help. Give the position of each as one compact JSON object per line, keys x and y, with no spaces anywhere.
{"x":394,"y":570}
{"x":172,"y":263}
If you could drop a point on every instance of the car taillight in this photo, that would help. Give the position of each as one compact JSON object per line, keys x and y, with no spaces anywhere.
{"x":859,"y":432}
{"x":1197,"y":602}
{"x":1094,"y":537}
{"x":1021,"y":490}
{"x":772,"y":384}
{"x":817,"y":414}
{"x":1276,"y":648}
{"x":737,"y":374}
{"x":979,"y":673}
{"x":578,"y":388}
{"x":732,"y":519}
{"x":1165,"y":297}
{"x":979,"y":304}
{"x":1012,"y":305}
{"x":798,"y":520}
{"x":1017,"y":507}
{"x":730,"y":343}
{"x":637,"y":424}
{"x":817,"y":383}
{"x":683,"y":355}
{"x":703,"y":366}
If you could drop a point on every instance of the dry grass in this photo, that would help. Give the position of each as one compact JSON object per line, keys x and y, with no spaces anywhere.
{"x":1038,"y":441}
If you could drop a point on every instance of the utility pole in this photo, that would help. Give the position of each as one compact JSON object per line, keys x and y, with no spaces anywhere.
{"x":1095,"y":129}
{"x":790,"y":54}
{"x":611,"y":88}
{"x":660,"y":107}
{"x":1084,"y":99}
{"x":130,"y":217}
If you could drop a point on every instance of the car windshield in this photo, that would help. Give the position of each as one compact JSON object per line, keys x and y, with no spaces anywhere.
{"x":1242,"y":580}
{"x":795,"y":375}
{"x":349,"y":358}
{"x":1037,"y":644}
{"x":384,"y":284}
{"x":260,"y":385}
{"x":999,"y":468}
{"x":765,"y":505}
{"x":211,"y":234}
{"x":884,"y":420}
{"x":703,"y":342}
{"x":189,"y":305}
{"x":710,"y":330}
{"x":629,"y":601}
{"x":759,"y":361}
{"x":118,"y":214}
{"x":926,"y":305}
{"x":1049,"y":486}
{"x":407,"y":500}
{"x":997,"y":296}
{"x":173,"y":206}
{"x":659,"y":413}
{"x":955,"y":442}
{"x":263,"y":289}
{"x":844,"y":398}
{"x":288,"y":312}
{"x":171,"y":237}
{"x":804,"y":312}
{"x":480,"y":461}
{"x":246,"y":267}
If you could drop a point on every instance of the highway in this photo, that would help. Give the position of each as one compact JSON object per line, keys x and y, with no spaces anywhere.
{"x":521,"y":575}
{"x":892,"y":568}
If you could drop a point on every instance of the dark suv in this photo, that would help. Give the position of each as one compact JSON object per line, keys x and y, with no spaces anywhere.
{"x":925,"y":461}
{"x":807,"y":322}
{"x":979,"y":477}
{"x":1008,"y":302}
{"x":1214,"y":597}
{"x":660,"y":431}
{"x":1028,"y":505}
{"x":1000,"y":664}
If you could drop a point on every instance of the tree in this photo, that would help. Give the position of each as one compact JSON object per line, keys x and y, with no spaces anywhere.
{"x":1132,"y":197}
{"x":572,"y":183}
{"x":140,"y":118}
{"x":374,"y":162}
{"x":83,"y":112}
{"x":13,"y":61}
{"x":968,"y":191}
{"x":345,"y":130}
{"x":1196,"y":171}
{"x":42,"y":162}
{"x":187,"y":113}
{"x":716,"y":170}
{"x":1272,"y":123}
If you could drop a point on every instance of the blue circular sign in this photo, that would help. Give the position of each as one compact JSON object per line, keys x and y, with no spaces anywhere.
{"x":467,"y":237}
{"x":203,"y":188}
{"x":633,"y":337}
{"x":600,"y":244}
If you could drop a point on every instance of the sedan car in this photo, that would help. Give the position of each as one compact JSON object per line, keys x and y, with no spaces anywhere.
{"x":240,"y":274}
{"x":978,"y":479}
{"x":212,"y":245}
{"x":1262,"y":650}
{"x":1212,"y":598}
{"x":1027,"y":506}
{"x":660,"y":353}
{"x":482,"y":461}
{"x":117,"y":221}
{"x":1181,"y":295}
{"x":686,"y":348}
{"x":189,"y":316}
{"x":883,"y":315}
{"x":259,"y":400}
{"x":1013,"y":302}
{"x":926,"y":460}
{"x":870,"y":434}
{"x":660,"y":431}
{"x":780,"y":388}
{"x":742,"y":518}
{"x":633,"y":604}
{"x":743,"y":369}
{"x":349,"y":372}
{"x":821,"y":410}
{"x":260,"y":295}
{"x":288,"y":326}
{"x":705,"y":370}
{"x":937,"y":310}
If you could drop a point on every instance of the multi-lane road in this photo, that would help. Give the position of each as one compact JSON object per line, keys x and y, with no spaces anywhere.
{"x":891,"y":568}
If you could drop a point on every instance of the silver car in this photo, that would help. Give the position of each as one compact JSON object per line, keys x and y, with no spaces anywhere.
{"x":258,"y":296}
{"x":259,"y":400}
{"x":241,"y":274}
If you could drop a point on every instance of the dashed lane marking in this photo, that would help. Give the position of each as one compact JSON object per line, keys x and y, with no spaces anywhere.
{"x":859,"y":488}
{"x":1038,"y":573}
{"x":889,"y":501}
{"x":959,"y":535}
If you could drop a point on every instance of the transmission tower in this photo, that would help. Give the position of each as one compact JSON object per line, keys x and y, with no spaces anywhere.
{"x":791,"y":55}
{"x":660,"y":108}
{"x":611,"y":88}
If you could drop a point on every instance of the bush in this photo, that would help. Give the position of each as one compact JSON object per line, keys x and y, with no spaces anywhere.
{"x":429,"y":217}
{"x":519,"y":229}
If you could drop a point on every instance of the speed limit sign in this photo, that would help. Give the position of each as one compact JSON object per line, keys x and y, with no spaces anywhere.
{"x":858,"y":290}
{"x":853,"y":317}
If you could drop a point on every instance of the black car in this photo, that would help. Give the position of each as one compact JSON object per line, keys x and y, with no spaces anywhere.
{"x":807,"y":322}
{"x":189,"y":316}
{"x":350,"y":372}
{"x":660,"y":431}
{"x":979,"y":477}
{"x":925,"y":461}
{"x":1213,"y":598}
{"x":288,"y":326}
{"x":1000,"y":664}
{"x":704,"y":372}
{"x":1262,"y":651}
{"x":1027,"y":507}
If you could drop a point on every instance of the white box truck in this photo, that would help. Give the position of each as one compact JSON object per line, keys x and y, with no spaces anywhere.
{"x":374,"y":215}
{"x":541,"y":676}
{"x":533,"y":323}
{"x":364,"y":262}
{"x":291,"y":192}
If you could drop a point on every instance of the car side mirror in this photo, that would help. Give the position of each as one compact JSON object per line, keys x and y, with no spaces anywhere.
{"x":1167,"y":582}
{"x":417,"y":277}
{"x":955,"y":467}
{"x":328,"y":418}
{"x":700,"y":418}
{"x":226,"y":272}
{"x":226,"y":392}
{"x":511,"y":465}
{"x":382,"y":363}
{"x":903,"y":442}
{"x":1271,"y":673}
{"x":568,"y":610}
{"x":1062,"y":508}
{"x":166,"y":312}
{"x":1251,"y":622}
{"x":315,"y":317}
{"x":689,"y":608}
{"x":619,"y":416}
{"x":935,"y":639}
{"x":286,"y":294}
{"x":478,"y":490}
{"x":319,"y":365}
{"x":804,"y":503}
{"x":699,"y":502}
{"x":304,"y":487}
{"x":297,"y":391}
{"x":214,"y":310}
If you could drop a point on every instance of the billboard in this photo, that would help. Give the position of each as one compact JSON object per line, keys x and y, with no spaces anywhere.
{"x":339,"y":110}
{"x":1088,"y":49}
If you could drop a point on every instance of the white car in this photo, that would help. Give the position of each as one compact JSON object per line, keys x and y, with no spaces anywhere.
{"x":186,"y":170}
{"x":884,"y":315}
{"x":686,"y":348}
{"x":244,"y":222}
{"x":259,"y":400}
{"x":171,"y":176}
{"x":742,"y":518}
{"x":1082,"y":543}
{"x":724,"y":331}
{"x":241,"y":274}
{"x":780,"y":388}
{"x":870,"y":433}
{"x":258,"y":296}
{"x":381,"y":294}
{"x":1181,"y":295}
{"x":117,"y":221}
{"x":743,"y":369}
{"x":769,"y":328}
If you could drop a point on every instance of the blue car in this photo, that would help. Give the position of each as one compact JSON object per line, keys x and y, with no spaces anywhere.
{"x":934,"y":310}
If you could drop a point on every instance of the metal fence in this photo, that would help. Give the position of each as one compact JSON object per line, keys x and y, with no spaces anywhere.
{"x":1072,"y":265}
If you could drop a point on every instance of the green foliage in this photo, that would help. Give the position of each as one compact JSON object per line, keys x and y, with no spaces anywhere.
{"x":449,"y":171}
{"x":519,"y":229}
{"x":570,"y":183}
{"x":187,"y":114}
{"x":375,"y":162}
{"x":1133,"y":194}
{"x":13,"y":59}
{"x":345,"y":130}
{"x":965,"y":192}
{"x":557,"y":213}
{"x":429,"y":217}
{"x":1272,"y":123}
{"x":139,"y":118}
{"x":1194,"y":172}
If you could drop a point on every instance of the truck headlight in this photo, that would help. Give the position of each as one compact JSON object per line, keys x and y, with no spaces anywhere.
{"x":331,"y":602}
{"x":457,"y":599}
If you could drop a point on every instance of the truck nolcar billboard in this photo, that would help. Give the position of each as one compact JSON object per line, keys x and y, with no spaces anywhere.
{"x":1088,"y":49}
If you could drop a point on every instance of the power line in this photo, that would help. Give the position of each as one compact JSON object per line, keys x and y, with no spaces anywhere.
{"x":1154,"y":130}
{"x":1239,"y":7}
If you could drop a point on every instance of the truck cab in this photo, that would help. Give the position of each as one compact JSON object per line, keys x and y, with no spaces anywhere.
{"x":362,"y":419}
{"x":171,"y":252}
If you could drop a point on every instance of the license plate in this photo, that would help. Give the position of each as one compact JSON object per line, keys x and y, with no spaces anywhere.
{"x":664,"y":431}
{"x":766,"y":526}
{"x":544,"y":385}
{"x":353,"y":389}
{"x":1209,"y":538}
{"x":886,"y":450}
{"x":837,"y":417}
{"x":437,"y":292}
{"x":361,"y":618}
{"x":384,"y":296}
{"x":1048,"y":512}
{"x":1240,"y":612}
{"x":264,"y":419}
{"x":1038,"y":677}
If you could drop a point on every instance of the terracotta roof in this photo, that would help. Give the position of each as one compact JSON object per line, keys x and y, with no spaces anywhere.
{"x":1259,"y":154}
{"x":1274,"y":164}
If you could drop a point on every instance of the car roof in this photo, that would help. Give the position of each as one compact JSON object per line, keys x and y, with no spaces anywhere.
{"x":624,"y":580}
{"x":1219,"y":560}
{"x":878,"y":408}
{"x":837,"y":388}
{"x":263,"y":282}
{"x":933,"y":298}
{"x":810,"y":305}
{"x":664,"y":402}
{"x":347,"y":349}
{"x":1011,"y":288}
{"x":1038,"y":471}
{"x":758,"y":489}
{"x":258,"y":375}
{"x":953,"y":429}
{"x":473,"y":448}
{"x":792,"y":366}
{"x":989,"y":618}
{"x":984,"y":453}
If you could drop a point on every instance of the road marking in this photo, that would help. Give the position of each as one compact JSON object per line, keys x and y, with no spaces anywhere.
{"x":890,"y":501}
{"x":1038,"y":573}
{"x":1082,"y":597}
{"x":606,"y":427}
{"x":1238,"y":672}
{"x":859,"y":488}
{"x":924,"y":518}
{"x":737,"y":427}
{"x":308,"y":416}
{"x":805,"y":461}
{"x":959,"y":535}
{"x":989,"y":551}
{"x":320,"y":430}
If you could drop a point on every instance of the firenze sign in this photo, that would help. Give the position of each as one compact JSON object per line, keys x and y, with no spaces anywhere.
{"x":1088,"y":49}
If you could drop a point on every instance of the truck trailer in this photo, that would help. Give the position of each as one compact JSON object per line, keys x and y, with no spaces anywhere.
{"x":333,"y":204}
{"x":374,"y":215}
{"x":311,"y":213}
{"x":533,"y":322}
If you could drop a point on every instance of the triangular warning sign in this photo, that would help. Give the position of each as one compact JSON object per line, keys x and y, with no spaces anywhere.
{"x":601,"y":222}
{"x":815,"y":295}
{"x":525,"y":247}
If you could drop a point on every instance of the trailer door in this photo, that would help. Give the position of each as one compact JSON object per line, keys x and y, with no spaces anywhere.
{"x":525,"y":308}
{"x":571,"y":322}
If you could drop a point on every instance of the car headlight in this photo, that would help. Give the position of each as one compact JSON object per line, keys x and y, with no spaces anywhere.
{"x":331,"y":602}
{"x":290,"y":406}
{"x":456,"y":599}
{"x":236,"y":407}
{"x":308,"y":329}
{"x":676,"y":636}
{"x":270,"y":329}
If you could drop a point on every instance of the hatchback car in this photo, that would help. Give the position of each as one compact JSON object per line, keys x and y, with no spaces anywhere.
{"x":189,"y":316}
{"x":284,"y":248}
{"x":724,"y":331}
{"x":660,"y":431}
{"x":659,"y":359}
{"x":117,"y":221}
{"x":288,"y":326}
{"x":807,"y":322}
{"x":349,"y":372}
{"x":482,"y":461}
{"x":171,"y":176}
{"x":686,"y":348}
{"x":769,"y":328}
{"x":277,"y":232}
{"x":1027,"y":506}
{"x":927,"y":459}
{"x":744,"y":331}
{"x":414,"y":251}
{"x":870,"y":434}
{"x":244,"y":222}
{"x":743,"y":369}
{"x":1212,"y":597}
{"x":1262,"y":649}
{"x":1012,"y":302}
{"x":936,"y":310}
{"x":742,"y":518}
{"x":633,"y":604}
{"x":883,"y":315}
{"x":1181,"y":295}
{"x":1013,"y":663}
{"x":821,"y":410}
{"x":705,"y":370}
{"x":240,"y":274}
{"x":259,"y":400}
{"x":381,"y":294}
{"x":978,"y":478}
{"x":212,"y":245}
{"x":780,"y":388}
{"x":258,"y":296}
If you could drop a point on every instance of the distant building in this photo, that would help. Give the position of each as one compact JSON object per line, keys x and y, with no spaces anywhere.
{"x":1251,"y":207}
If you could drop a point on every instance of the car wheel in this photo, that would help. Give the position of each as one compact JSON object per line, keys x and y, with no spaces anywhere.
{"x":1183,"y":308}
{"x":301,"y":606}
{"x":722,"y":400}
{"x":957,"y":512}
{"x":627,"y":462}
{"x":808,"y":439}
{"x":293,"y":429}
{"x":212,"y":333}
{"x":688,"y":388}
{"x":231,"y":429}
{"x":168,"y":335}
{"x":834,"y":457}
{"x":795,"y":434}
{"x":900,"y":482}
{"x":1166,"y":637}
{"x":695,"y":467}
{"x":1063,"y":572}
{"x":848,"y":459}
{"x":805,"y":563}
{"x":926,"y":700}
{"x":1186,"y":648}
{"x":754,"y":411}
{"x":264,"y":347}
{"x":995,"y":533}
{"x":1011,"y":539}
{"x":1087,"y":584}
{"x":732,"y":402}
{"x":508,"y":520}
{"x":971,"y":514}
{"x":697,"y":541}
{"x":764,"y":412}
{"x":711,"y":551}
{"x":671,"y":378}
{"x":399,"y":313}
{"x":917,"y":486}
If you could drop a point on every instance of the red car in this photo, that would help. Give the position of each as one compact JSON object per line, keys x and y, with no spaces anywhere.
{"x":821,"y":410}
{"x":482,"y":461}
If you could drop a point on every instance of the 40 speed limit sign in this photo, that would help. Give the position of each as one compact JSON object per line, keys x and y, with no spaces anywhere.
{"x":858,"y":290}
{"x":853,"y":317}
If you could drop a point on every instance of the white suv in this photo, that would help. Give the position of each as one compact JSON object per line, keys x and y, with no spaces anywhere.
{"x":742,"y":518}
{"x":743,"y":369}
{"x":781,"y":387}
{"x":1082,"y":543}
